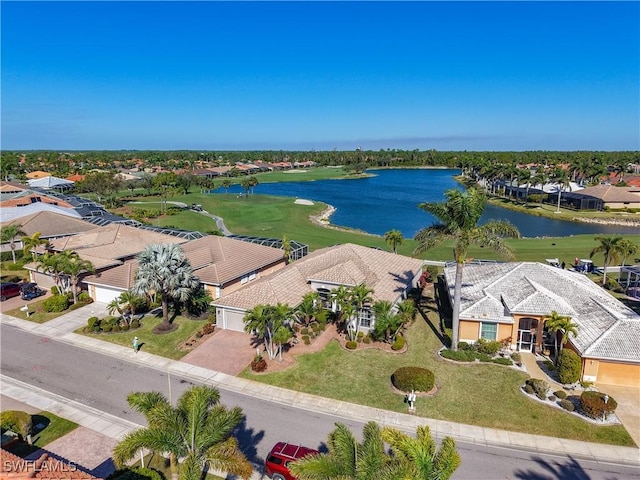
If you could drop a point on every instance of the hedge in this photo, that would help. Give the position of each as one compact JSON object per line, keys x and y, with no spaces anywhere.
{"x":413,"y":378}
{"x":17,"y":421}
{"x":57,"y":303}
{"x":569,"y":367}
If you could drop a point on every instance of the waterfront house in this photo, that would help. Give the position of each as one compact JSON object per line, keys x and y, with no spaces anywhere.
{"x":390,"y":276}
{"x":509,"y":302}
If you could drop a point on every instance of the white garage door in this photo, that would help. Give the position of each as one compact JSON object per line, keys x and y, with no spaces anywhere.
{"x":230,"y":320}
{"x":105,"y":295}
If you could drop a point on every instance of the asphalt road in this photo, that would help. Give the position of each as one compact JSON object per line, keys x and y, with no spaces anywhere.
{"x":103,"y":382}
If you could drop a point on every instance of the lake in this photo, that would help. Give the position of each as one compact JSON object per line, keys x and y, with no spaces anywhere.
{"x":389,"y":200}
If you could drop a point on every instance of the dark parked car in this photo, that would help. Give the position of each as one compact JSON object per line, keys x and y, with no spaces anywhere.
{"x":8,"y":290}
{"x":276,"y":465}
{"x":29,"y":291}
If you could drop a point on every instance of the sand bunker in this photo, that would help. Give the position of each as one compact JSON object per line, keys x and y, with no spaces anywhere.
{"x":302,"y":201}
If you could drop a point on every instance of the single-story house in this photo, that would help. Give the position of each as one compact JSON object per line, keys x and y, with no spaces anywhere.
{"x":509,"y":302}
{"x":601,"y":197}
{"x":105,"y":247}
{"x":52,"y":183}
{"x":222,"y":264}
{"x":390,"y":276}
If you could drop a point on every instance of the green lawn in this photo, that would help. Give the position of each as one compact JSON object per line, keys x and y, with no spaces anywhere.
{"x":270,"y":216}
{"x":165,"y":345}
{"x":37,"y":313}
{"x":476,"y":394}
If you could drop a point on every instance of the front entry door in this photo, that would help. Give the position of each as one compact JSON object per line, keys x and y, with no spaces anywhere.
{"x":526,"y":341}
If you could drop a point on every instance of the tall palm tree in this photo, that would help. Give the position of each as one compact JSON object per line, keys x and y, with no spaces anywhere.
{"x":270,"y":323}
{"x":561,"y":177}
{"x":347,"y":459}
{"x":197,"y":430}
{"x":394,"y":238}
{"x":611,"y":249}
{"x":340,"y":296}
{"x":163,"y":269}
{"x":305,"y":312}
{"x":627,"y":249}
{"x":458,"y":221}
{"x":360,"y":296}
{"x":30,"y":243}
{"x":419,"y":455}
{"x":9,"y":234}
{"x":558,"y":323}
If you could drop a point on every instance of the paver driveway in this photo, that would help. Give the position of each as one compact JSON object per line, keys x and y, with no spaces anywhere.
{"x":226,"y":351}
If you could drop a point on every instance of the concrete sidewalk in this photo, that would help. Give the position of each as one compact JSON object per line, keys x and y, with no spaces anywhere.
{"x":61,"y":329}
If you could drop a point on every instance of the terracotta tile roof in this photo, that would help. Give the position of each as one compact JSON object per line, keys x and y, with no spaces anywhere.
{"x":386,"y":273}
{"x":27,"y":197}
{"x":610,"y":193}
{"x":121,"y":276}
{"x":51,"y":224}
{"x":219,"y":260}
{"x":10,"y":187}
{"x":607,"y":328}
{"x":43,"y":468}
{"x":37,"y":174}
{"x":113,"y":241}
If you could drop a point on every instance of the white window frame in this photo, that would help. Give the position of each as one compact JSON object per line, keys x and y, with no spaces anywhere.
{"x":494,"y":324}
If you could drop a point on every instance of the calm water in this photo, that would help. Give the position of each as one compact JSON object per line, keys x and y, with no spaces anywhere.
{"x":390,"y":200}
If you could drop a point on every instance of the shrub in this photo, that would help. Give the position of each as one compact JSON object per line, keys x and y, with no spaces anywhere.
{"x":413,"y":378}
{"x":258,"y":364}
{"x":367,"y":339}
{"x":569,"y":366}
{"x":483,"y":357}
{"x":360,"y":334}
{"x":502,"y":361}
{"x":516,"y":357}
{"x":304,"y":331}
{"x":465,"y":346}
{"x":593,"y":404}
{"x":125,"y":327}
{"x":540,"y":387}
{"x":305,"y":338}
{"x":552,"y":398}
{"x":489,"y":347}
{"x":84,"y":297}
{"x":136,"y":473}
{"x":351,"y":345}
{"x":433,"y":272}
{"x":306,"y":341}
{"x":529,"y":389}
{"x":550,"y":365}
{"x":567,"y":404}
{"x":561,"y":394}
{"x":116,"y":328}
{"x":207,"y":329}
{"x":93,"y":324}
{"x":107,"y":328}
{"x":17,"y":421}
{"x":460,"y":355}
{"x":135,"y":324}
{"x":399,"y":343}
{"x":57,"y":303}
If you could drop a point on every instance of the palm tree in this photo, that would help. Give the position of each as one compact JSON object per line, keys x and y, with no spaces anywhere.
{"x":394,"y":238}
{"x":386,"y":321}
{"x":627,"y":249}
{"x":406,"y":312}
{"x":74,"y":267}
{"x":558,"y":323}
{"x":305,"y":312}
{"x":458,"y":221}
{"x":9,"y":234}
{"x":419,"y":456}
{"x":347,"y":459}
{"x":561,"y":177}
{"x":270,"y":323}
{"x":30,"y":243}
{"x":360,"y":296}
{"x":198,"y":430}
{"x":340,"y":296}
{"x":226,"y":183}
{"x":612,"y":250}
{"x":163,"y":269}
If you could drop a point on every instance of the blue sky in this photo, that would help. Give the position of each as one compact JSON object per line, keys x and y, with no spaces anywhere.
{"x":325,"y":75}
